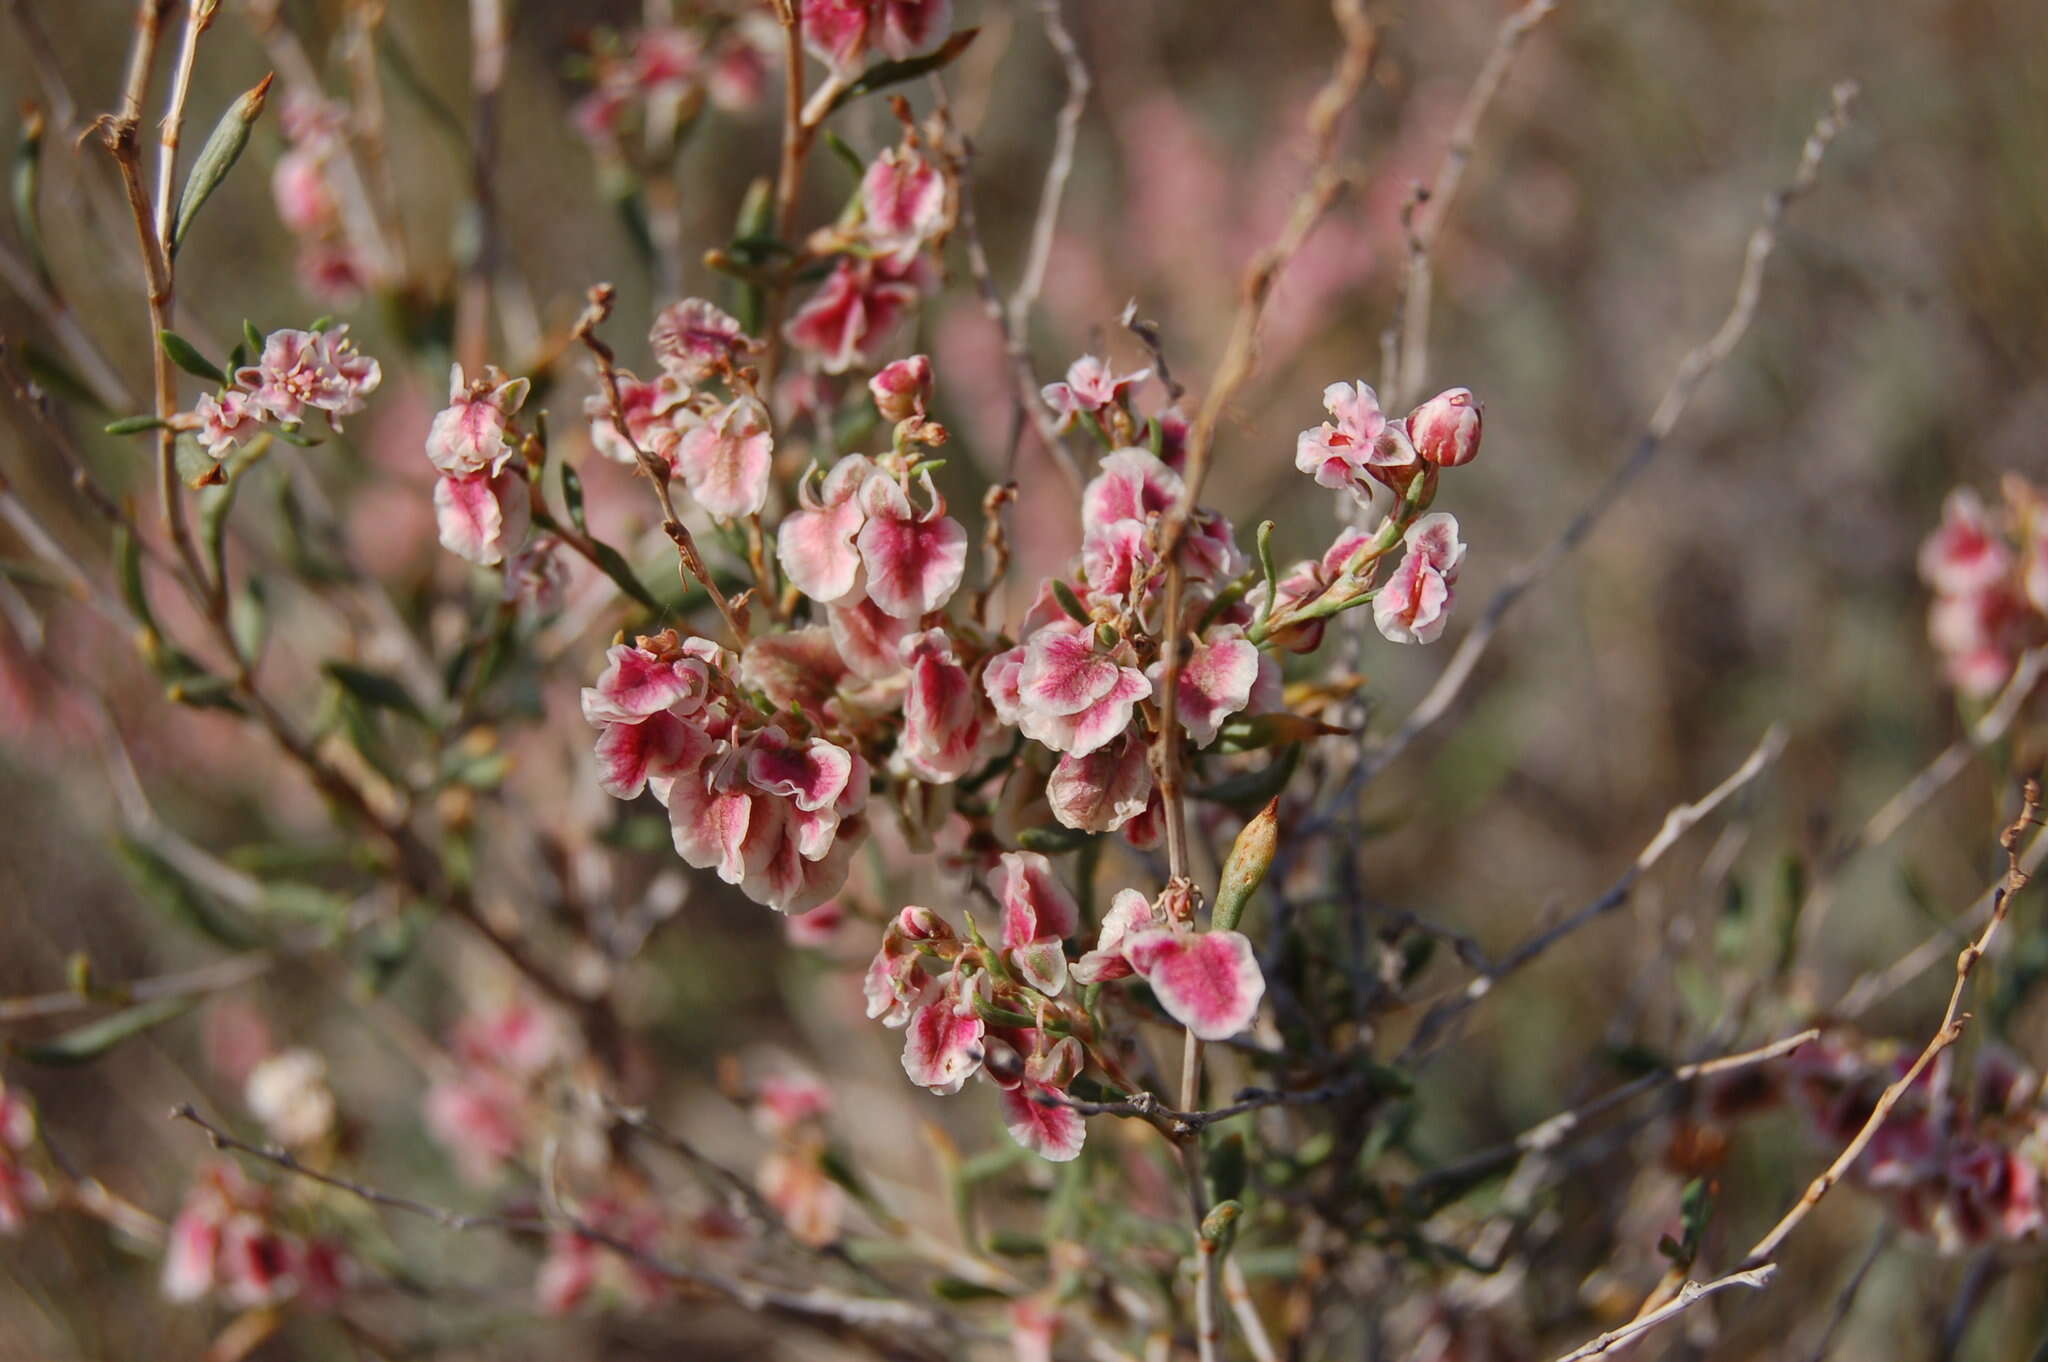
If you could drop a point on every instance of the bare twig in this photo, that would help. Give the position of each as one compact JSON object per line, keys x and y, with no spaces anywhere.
{"x":1676,"y":824}
{"x":1692,"y":372}
{"x":217,"y":977}
{"x":1432,"y":207}
{"x":488,"y":25}
{"x":1067,"y":130}
{"x":1759,"y":1264}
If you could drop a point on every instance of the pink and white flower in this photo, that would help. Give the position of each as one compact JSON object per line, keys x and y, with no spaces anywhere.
{"x":468,"y":436}
{"x":903,"y":203}
{"x":694,"y":340}
{"x":853,"y":311}
{"x":481,"y":515}
{"x":1209,"y":982}
{"x":725,"y":460}
{"x":914,"y":560}
{"x":1415,"y":603}
{"x":1356,"y":445}
{"x":1090,"y":386}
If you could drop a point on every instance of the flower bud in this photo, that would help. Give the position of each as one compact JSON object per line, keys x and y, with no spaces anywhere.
{"x":903,"y":388}
{"x":1445,"y":429}
{"x":1251,"y":856}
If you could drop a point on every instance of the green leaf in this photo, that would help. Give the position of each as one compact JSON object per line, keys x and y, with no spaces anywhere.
{"x":1051,"y":841}
{"x":572,"y":497}
{"x":249,"y":619}
{"x":960,"y":1289}
{"x":1069,"y":602}
{"x":252,"y":340}
{"x":848,"y":157}
{"x":1266,"y":570}
{"x":94,"y":1039}
{"x":196,"y":467}
{"x":128,"y":569}
{"x":1013,"y":1244}
{"x":186,"y":356}
{"x":883,"y":74}
{"x":223,"y":148}
{"x":182,"y":901}
{"x":375,"y":689}
{"x":28,"y":164}
{"x":1249,"y":732}
{"x":614,"y":565}
{"x":133,"y":425}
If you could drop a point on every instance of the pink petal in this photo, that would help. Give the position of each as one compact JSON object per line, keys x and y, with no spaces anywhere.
{"x":1103,"y":790}
{"x":868,"y":639}
{"x":942,"y":1047}
{"x":1035,"y":904}
{"x":1042,"y":965}
{"x":628,"y":753}
{"x":635,"y":683}
{"x":1208,"y":982}
{"x":914,"y":565}
{"x":725,"y":461}
{"x":1049,"y":1130}
{"x":481,"y":514}
{"x":1216,"y":682}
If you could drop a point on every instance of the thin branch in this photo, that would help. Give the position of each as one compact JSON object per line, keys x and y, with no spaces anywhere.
{"x":1432,"y":207}
{"x":1692,"y":371}
{"x":1759,"y":1264}
{"x":1058,"y":171}
{"x":217,"y":977}
{"x":488,"y":25}
{"x":1676,"y":824}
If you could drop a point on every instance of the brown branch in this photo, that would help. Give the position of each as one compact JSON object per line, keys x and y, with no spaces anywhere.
{"x":1067,"y":129}
{"x":1676,"y":824}
{"x":1692,"y":371}
{"x":1431,"y":208}
{"x":488,"y":24}
{"x":1759,"y":1264}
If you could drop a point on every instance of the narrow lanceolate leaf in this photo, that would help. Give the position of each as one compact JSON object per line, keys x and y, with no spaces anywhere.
{"x":223,"y":148}
{"x":132,"y":425}
{"x":94,"y":1039}
{"x":883,"y":74}
{"x":186,"y":356}
{"x":572,"y":497}
{"x":28,"y":168}
{"x":375,"y":689}
{"x":182,"y":901}
{"x":1251,"y":855}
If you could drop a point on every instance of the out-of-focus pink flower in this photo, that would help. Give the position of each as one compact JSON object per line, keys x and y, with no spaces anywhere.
{"x":332,"y":271}
{"x":480,"y":1118}
{"x":855,"y":309}
{"x":481,"y":515}
{"x":1033,"y":1327}
{"x":21,"y":1188}
{"x":288,"y":1093}
{"x":1445,"y":429}
{"x":817,"y":928}
{"x":742,"y":63}
{"x":1966,"y":553}
{"x":578,"y":1269}
{"x":1090,"y":386}
{"x":537,"y":577}
{"x":1209,"y":982}
{"x":840,"y":32}
{"x":694,"y":339}
{"x":903,"y":203}
{"x":725,"y":460}
{"x":468,"y":436}
{"x":299,"y":185}
{"x":1415,"y":603}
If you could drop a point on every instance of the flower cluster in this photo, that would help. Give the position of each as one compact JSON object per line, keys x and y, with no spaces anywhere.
{"x":760,"y":796}
{"x":579,"y":1269}
{"x":652,"y":81}
{"x":904,"y":209}
{"x":1989,"y":572}
{"x":294,"y":374}
{"x":225,"y":1242}
{"x":480,"y":502}
{"x":484,"y":1111}
{"x":21,"y":1189}
{"x":790,"y":1110}
{"x":1962,"y":1167}
{"x":1006,"y":1010}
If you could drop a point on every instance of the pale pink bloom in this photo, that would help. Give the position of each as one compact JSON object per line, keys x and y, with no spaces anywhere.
{"x":1415,"y":603}
{"x":1966,"y":553}
{"x":209,"y":1243}
{"x":695,"y":339}
{"x":1132,"y":491}
{"x":1445,"y":429}
{"x":1033,"y":1328}
{"x":655,"y":413}
{"x":894,"y":986}
{"x":638,"y":682}
{"x":902,"y":388}
{"x":836,"y":31}
{"x":299,"y":185}
{"x":21,"y":1189}
{"x":905,"y":28}
{"x":853,"y":310}
{"x":288,"y":1093}
{"x":782,"y":1102}
{"x":468,"y":435}
{"x":301,"y":369}
{"x":810,"y":1203}
{"x":914,"y":560}
{"x":1980,"y":635}
{"x":480,"y":1118}
{"x":1104,"y":790}
{"x":948,"y":727}
{"x":818,"y":928}
{"x":1129,"y":912}
{"x":743,"y":62}
{"x":725,"y":460}
{"x":481,"y":515}
{"x":332,"y":271}
{"x":666,"y":59}
{"x":1209,"y":982}
{"x":1090,"y":386}
{"x":815,"y":544}
{"x":1216,"y":681}
{"x":1074,"y":697}
{"x":1034,"y":903}
{"x":1341,"y":453}
{"x":226,"y":421}
{"x":868,"y":639}
{"x":577,"y":1269}
{"x":903,"y":202}
{"x":796,"y":668}
{"x":520,"y":1038}
{"x":1042,"y":1125}
{"x":942,"y":1046}
{"x":191,"y":1249}
{"x":537,"y":576}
